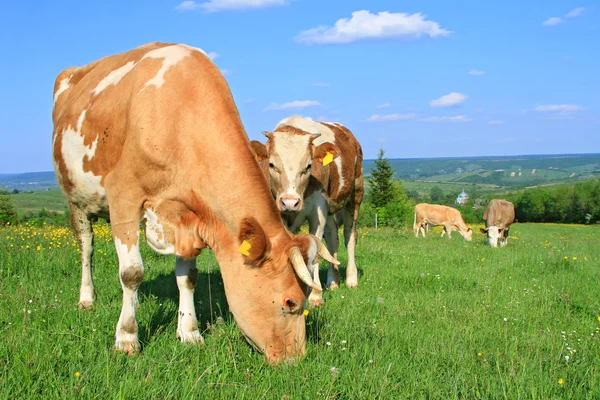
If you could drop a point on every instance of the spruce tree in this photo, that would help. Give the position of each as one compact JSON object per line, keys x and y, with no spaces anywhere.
{"x":8,"y":215}
{"x":381,"y":187}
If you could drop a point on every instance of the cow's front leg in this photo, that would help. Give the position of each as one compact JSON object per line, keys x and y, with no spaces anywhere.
{"x":333,"y":244}
{"x":131,"y":273}
{"x":187,"y":324}
{"x":316,"y":222}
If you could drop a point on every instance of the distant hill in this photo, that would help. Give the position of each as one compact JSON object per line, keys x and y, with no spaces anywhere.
{"x":29,"y":181}
{"x":488,"y":173}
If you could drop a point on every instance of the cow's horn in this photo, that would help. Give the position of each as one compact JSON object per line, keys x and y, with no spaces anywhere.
{"x":323,"y":252}
{"x":301,"y":269}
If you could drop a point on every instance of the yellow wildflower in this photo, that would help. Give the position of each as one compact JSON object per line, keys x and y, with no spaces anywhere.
{"x":479,"y":354}
{"x":561,"y":381}
{"x":77,"y":374}
{"x":574,"y":258}
{"x":566,"y":258}
{"x":306,"y":312}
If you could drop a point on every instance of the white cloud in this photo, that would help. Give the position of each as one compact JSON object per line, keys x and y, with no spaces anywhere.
{"x":558,"y":108}
{"x":296,"y":104}
{"x":476,"y":72}
{"x":384,"y":105}
{"x":575,"y":12}
{"x":496,"y":122}
{"x":364,"y":25}
{"x":456,"y":118}
{"x":382,"y":140}
{"x":390,"y":117}
{"x":228,"y":5}
{"x":449,"y":100}
{"x":212,"y":55}
{"x":552,"y":21}
{"x":321,"y":84}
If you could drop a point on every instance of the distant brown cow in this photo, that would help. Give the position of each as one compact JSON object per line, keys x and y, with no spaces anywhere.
{"x":498,"y":216}
{"x":434,"y":214}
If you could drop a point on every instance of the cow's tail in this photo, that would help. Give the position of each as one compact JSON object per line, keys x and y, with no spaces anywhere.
{"x":415,"y":220}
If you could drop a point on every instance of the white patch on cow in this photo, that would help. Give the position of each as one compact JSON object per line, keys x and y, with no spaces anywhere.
{"x":155,"y":234}
{"x":113,"y":78}
{"x":493,"y":235}
{"x":171,"y":55}
{"x":192,"y":48}
{"x":74,"y":153}
{"x":64,"y":85}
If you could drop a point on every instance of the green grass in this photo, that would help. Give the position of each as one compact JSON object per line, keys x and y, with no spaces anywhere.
{"x":431,"y":318}
{"x":52,"y":200}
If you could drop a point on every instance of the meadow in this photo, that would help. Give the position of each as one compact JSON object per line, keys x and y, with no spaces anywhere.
{"x":431,"y":318}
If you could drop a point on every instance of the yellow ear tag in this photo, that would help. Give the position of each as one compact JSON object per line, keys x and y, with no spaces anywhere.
{"x":327,"y":159}
{"x":245,"y":248}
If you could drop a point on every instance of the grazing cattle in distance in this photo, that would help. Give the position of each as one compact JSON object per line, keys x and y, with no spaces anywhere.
{"x":315,"y":173}
{"x":435,"y":214}
{"x":153,"y":135}
{"x":498,"y":216}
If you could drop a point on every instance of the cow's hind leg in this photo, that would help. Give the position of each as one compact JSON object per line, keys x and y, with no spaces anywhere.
{"x":187,"y":324}
{"x":333,"y":244}
{"x":350,"y":237}
{"x":131,"y":273}
{"x":82,"y":226}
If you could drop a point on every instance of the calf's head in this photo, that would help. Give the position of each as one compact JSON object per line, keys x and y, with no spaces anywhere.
{"x":292,"y":157}
{"x":267,"y":296}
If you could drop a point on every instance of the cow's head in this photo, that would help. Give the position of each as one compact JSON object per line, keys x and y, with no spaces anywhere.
{"x":494,"y":234}
{"x":292,"y":158}
{"x":267,"y":296}
{"x":468,"y":235}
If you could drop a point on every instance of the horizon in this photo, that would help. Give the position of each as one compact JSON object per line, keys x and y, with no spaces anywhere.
{"x":426,"y":80}
{"x":402,"y":159}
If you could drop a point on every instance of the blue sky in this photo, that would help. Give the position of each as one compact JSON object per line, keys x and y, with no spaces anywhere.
{"x":420,"y":78}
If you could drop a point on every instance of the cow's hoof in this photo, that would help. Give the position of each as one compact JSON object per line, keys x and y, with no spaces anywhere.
{"x":190,"y":337}
{"x":317,"y":302}
{"x":130,"y":348}
{"x":352,"y":283}
{"x":85,"y":304}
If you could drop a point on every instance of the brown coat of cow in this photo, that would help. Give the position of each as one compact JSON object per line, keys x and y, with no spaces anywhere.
{"x":153,"y":135}
{"x":435,"y":214}
{"x":498,"y":216}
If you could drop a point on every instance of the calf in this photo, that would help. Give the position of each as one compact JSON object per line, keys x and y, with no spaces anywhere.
{"x":434,"y":214}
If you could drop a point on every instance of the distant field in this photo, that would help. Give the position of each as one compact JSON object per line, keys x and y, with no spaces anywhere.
{"x":431,"y":319}
{"x":52,"y":200}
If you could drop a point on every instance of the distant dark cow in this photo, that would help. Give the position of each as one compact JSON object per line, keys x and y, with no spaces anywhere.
{"x":498,"y":216}
{"x":434,"y":214}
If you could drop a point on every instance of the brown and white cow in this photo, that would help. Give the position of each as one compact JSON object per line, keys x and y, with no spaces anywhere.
{"x":498,"y":216}
{"x":435,"y":214}
{"x":153,"y":135}
{"x":315,"y":173}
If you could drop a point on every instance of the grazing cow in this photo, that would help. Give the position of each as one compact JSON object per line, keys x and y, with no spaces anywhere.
{"x":153,"y":135}
{"x":434,"y":214}
{"x":498,"y":216}
{"x":315,"y":173}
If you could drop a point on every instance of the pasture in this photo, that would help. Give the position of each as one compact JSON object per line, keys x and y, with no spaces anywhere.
{"x":431,"y":318}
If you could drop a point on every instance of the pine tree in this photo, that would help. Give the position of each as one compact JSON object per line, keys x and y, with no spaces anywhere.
{"x":381,"y":187}
{"x":8,"y":215}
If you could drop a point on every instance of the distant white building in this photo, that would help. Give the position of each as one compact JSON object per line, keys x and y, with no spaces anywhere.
{"x":462,"y":198}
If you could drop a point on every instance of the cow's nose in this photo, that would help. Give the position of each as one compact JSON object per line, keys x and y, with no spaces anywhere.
{"x":290,"y":203}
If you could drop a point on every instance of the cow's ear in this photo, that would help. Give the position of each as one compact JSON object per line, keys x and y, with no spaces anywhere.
{"x":499,"y":230}
{"x":483,"y":230}
{"x":322,"y":151}
{"x":254,"y":244}
{"x":259,"y":150}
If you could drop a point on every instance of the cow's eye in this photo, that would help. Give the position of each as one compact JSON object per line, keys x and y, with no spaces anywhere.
{"x":271,"y":165}
{"x":307,"y":169}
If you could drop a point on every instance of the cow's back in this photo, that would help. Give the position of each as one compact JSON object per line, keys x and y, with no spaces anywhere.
{"x":500,"y":213}
{"x":115,"y":112}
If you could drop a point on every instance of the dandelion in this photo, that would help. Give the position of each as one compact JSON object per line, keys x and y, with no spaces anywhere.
{"x":574,"y":258}
{"x":479,"y":354}
{"x":334,"y":371}
{"x":77,"y":374}
{"x":561,"y":381}
{"x":328,"y":343}
{"x":344,"y":341}
{"x":566,"y":258}
{"x":306,"y":312}
{"x":505,"y":319}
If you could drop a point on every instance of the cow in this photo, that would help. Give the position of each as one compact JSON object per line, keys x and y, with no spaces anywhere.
{"x":498,"y":216}
{"x":435,"y":214}
{"x":315,"y":174}
{"x":152,"y":137}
